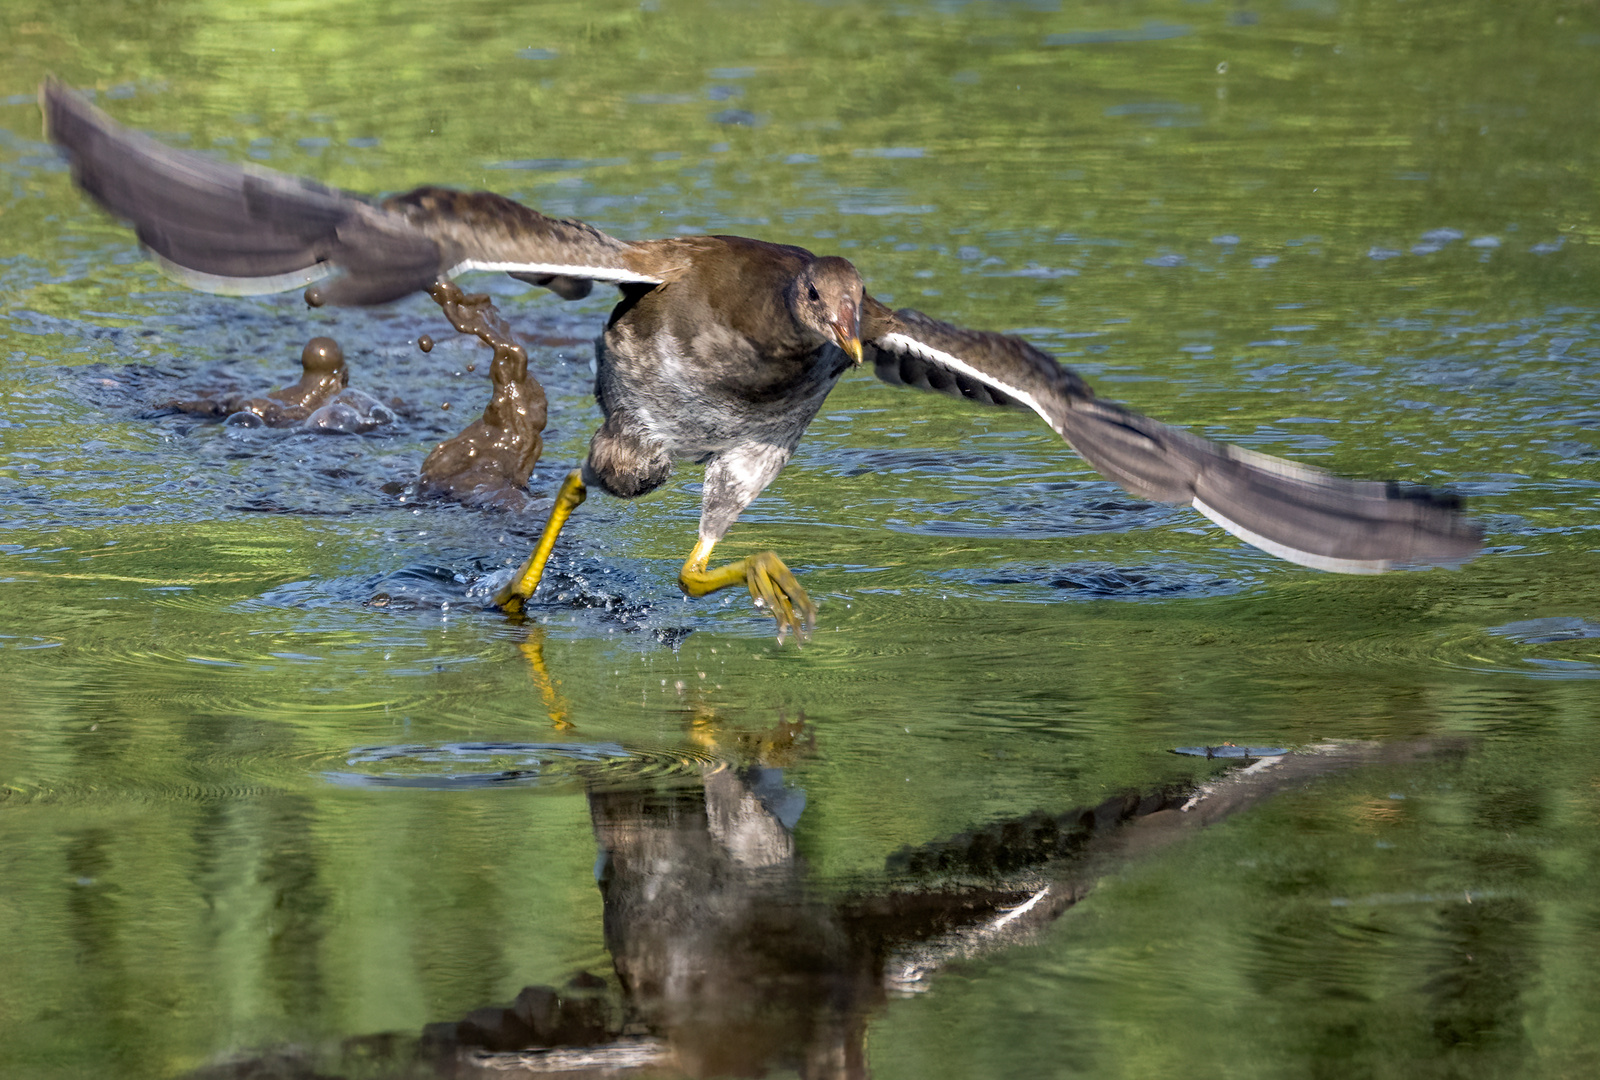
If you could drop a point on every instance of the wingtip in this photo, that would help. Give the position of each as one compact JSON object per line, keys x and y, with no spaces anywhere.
{"x":55,"y":94}
{"x":1460,"y":541}
{"x":69,"y":118}
{"x":51,"y":91}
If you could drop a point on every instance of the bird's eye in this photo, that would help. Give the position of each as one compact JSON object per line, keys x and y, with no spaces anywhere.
{"x":811,"y":291}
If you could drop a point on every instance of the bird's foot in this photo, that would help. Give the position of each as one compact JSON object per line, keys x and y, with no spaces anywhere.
{"x":509,"y":599}
{"x":774,"y":587}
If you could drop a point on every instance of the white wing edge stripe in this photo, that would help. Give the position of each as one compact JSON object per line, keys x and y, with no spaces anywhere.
{"x":1008,"y":914}
{"x":1278,"y":466}
{"x":594,"y":273}
{"x":1265,"y":462}
{"x":1294,"y":555}
{"x":223,"y":285}
{"x":902,"y":343}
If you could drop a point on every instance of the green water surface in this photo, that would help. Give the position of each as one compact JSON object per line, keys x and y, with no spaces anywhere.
{"x":1358,"y":233}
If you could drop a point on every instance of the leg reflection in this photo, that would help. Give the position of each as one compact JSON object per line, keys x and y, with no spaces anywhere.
{"x":555,"y":706}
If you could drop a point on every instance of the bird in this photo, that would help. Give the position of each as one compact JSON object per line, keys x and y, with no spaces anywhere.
{"x":720,"y":351}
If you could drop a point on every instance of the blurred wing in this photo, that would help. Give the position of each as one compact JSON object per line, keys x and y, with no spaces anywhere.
{"x":1297,"y":513}
{"x":241,"y":230}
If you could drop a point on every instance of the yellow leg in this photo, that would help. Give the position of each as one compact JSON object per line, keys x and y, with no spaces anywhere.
{"x":770,"y":582}
{"x":526,"y":579}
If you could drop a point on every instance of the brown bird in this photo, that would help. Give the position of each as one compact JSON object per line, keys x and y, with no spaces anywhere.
{"x":720,"y":351}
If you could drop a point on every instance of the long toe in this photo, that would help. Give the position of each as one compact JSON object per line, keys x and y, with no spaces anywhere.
{"x":803,"y":605}
{"x":775,"y":587}
{"x":764,"y":591}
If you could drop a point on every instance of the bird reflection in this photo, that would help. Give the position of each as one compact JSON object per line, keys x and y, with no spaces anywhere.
{"x":728,"y":961}
{"x":718,"y":946}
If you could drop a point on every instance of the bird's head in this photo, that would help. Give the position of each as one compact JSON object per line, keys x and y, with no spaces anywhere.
{"x":827,"y":299}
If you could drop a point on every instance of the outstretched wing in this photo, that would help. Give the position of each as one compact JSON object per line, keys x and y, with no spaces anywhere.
{"x":240,"y":230}
{"x":1298,"y":513}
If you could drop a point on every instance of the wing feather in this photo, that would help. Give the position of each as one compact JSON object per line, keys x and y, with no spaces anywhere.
{"x":243,"y":229}
{"x":1295,"y":512}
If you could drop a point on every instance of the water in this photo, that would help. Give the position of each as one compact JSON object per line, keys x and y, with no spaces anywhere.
{"x":274,"y":782}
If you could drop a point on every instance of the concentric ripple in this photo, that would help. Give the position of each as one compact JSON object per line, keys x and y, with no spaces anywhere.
{"x":1534,"y":648}
{"x":466,"y":765}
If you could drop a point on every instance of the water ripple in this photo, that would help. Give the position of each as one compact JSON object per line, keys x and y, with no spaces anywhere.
{"x":470,"y":765}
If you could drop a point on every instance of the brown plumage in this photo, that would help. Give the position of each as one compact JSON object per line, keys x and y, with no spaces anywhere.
{"x":720,"y":351}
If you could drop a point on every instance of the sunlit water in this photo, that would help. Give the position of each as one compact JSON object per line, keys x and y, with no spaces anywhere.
{"x":273,"y":776}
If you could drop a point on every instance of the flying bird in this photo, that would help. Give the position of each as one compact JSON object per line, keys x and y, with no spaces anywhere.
{"x":720,"y":352}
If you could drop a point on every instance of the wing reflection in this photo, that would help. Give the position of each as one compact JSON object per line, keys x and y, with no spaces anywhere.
{"x":729,"y":964}
{"x":729,"y":961}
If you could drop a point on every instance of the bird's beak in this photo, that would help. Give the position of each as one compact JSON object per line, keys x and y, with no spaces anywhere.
{"x":847,"y":332}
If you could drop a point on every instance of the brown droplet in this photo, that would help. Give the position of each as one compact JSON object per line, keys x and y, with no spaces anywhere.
{"x":323,"y":374}
{"x":315,"y":297}
{"x":472,"y":367}
{"x":425,"y":343}
{"x":445,"y":406}
{"x":322,"y":354}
